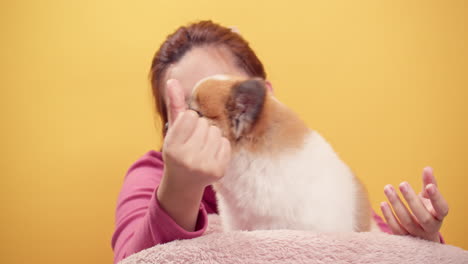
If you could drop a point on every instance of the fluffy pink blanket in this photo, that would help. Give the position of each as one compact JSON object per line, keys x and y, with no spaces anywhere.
{"x":288,"y":246}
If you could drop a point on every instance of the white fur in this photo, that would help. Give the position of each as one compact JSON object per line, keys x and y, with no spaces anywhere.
{"x":307,"y":189}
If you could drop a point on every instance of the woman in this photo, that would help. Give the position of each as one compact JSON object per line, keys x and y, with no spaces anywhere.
{"x":162,"y":201}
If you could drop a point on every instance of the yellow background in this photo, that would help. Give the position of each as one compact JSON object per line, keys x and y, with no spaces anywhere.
{"x":384,"y":81}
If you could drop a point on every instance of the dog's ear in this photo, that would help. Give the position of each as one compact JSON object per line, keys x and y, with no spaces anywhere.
{"x":245,"y":105}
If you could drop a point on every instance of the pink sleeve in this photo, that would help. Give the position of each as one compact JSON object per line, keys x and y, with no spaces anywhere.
{"x":140,"y":222}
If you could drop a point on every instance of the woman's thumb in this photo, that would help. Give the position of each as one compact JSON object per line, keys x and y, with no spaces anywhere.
{"x":175,"y":99}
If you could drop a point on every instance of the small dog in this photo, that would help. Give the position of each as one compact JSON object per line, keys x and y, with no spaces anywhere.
{"x":282,"y":174}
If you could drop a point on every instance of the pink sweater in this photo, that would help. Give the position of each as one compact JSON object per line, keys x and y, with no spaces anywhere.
{"x":141,"y":223}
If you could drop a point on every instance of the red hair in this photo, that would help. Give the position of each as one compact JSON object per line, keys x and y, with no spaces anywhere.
{"x":194,"y":35}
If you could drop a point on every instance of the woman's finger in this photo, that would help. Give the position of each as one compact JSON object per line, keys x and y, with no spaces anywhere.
{"x":438,"y":202}
{"x":212,"y":143}
{"x":183,"y":127}
{"x":401,"y":212}
{"x":428,"y":178}
{"x":175,"y":100}
{"x":223,"y":155}
{"x":199,"y":136}
{"x":424,"y":217}
{"x":391,"y":220}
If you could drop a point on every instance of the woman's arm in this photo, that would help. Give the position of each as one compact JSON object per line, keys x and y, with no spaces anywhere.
{"x":141,"y":222}
{"x":157,"y":207}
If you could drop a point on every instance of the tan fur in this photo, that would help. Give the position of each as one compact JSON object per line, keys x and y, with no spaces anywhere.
{"x":277,"y":129}
{"x":210,"y":99}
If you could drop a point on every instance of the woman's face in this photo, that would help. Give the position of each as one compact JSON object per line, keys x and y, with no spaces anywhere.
{"x":201,"y":62}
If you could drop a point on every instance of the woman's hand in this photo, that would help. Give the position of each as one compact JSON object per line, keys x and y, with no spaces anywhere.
{"x":195,"y":155}
{"x":426,"y":211}
{"x":195,"y":152}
